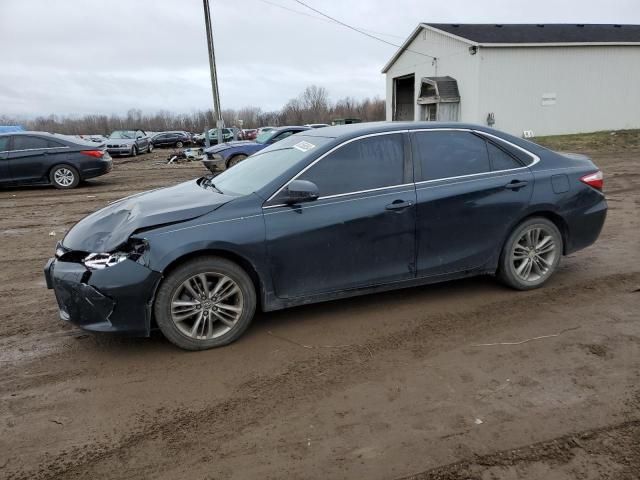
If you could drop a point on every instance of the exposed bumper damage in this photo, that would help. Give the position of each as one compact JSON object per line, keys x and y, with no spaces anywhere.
{"x":115,"y":299}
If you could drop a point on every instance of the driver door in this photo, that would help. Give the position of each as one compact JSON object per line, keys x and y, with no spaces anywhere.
{"x":359,"y":232}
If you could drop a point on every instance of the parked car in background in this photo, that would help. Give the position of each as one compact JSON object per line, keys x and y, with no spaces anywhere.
{"x":219,"y":157}
{"x":322,"y":215}
{"x":176,"y":139}
{"x":33,"y":158}
{"x":227,"y":136}
{"x":316,"y":125}
{"x":249,"y":134}
{"x":129,"y":142}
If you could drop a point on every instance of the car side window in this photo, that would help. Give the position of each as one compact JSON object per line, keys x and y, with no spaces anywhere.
{"x":445,"y":154}
{"x":26,"y":142}
{"x":501,"y":160}
{"x":54,"y":144}
{"x":364,"y":164}
{"x":282,"y":136}
{"x":4,"y":144}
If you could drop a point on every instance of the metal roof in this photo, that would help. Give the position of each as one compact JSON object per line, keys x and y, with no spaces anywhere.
{"x":527,"y":34}
{"x":542,"y":33}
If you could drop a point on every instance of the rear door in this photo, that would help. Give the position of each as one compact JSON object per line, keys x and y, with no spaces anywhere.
{"x":471,"y":191}
{"x":360,"y":232}
{"x":30,"y":159}
{"x":4,"y":164}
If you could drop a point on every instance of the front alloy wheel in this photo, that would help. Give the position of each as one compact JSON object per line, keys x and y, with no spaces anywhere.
{"x":204,"y":303}
{"x":531,"y":254}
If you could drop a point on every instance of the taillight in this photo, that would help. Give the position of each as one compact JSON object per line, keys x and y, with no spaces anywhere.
{"x":594,"y":180}
{"x":93,"y":153}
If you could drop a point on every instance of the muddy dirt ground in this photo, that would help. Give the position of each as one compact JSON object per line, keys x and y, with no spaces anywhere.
{"x":398,"y":385}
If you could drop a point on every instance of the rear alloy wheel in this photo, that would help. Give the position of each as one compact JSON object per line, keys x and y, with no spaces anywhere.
{"x":207,"y":302}
{"x":134,"y":151}
{"x":236,"y":160}
{"x":531,"y":255}
{"x":179,"y":144}
{"x":64,"y":176}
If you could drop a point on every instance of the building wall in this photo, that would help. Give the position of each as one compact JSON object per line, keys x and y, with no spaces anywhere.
{"x":453,"y":60}
{"x":595,"y":88}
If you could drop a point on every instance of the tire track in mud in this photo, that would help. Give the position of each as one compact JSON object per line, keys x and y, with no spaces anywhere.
{"x":167,"y":433}
{"x":558,"y":451}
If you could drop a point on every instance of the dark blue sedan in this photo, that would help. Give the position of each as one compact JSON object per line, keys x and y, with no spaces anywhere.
{"x":326,"y":214}
{"x":219,"y":157}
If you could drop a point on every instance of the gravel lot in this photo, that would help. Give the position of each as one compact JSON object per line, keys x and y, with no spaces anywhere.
{"x":380,"y":387}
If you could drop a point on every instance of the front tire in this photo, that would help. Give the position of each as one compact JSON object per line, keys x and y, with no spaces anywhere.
{"x":236,"y":160}
{"x":531,"y":254}
{"x":64,"y":176}
{"x":150,"y":149}
{"x":179,"y":144}
{"x":134,"y":151}
{"x":205,"y":303}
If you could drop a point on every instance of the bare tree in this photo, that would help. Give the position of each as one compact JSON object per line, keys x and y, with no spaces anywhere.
{"x":311,"y":106}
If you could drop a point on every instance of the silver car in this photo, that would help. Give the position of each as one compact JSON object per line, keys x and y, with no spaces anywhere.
{"x":128,"y":142}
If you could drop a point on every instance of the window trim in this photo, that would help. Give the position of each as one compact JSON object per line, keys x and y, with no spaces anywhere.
{"x":480,"y":133}
{"x":13,"y":137}
{"x":534,"y":157}
{"x":295,"y":177}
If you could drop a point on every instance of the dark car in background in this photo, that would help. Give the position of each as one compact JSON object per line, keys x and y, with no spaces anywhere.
{"x":171,"y":139}
{"x":219,"y":157}
{"x":38,"y":158}
{"x":129,"y":142}
{"x":326,"y":214}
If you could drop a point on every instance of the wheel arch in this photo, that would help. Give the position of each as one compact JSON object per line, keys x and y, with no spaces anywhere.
{"x":234,"y":257}
{"x":236,"y":154}
{"x":550,"y":215}
{"x":62,"y":164}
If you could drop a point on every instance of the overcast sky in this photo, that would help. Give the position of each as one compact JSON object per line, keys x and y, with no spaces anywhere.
{"x":106,"y":56}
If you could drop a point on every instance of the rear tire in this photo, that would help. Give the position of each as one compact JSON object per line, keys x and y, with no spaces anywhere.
{"x":236,"y":160}
{"x":531,"y":254}
{"x":206,"y":302}
{"x":64,"y":177}
{"x":179,"y":144}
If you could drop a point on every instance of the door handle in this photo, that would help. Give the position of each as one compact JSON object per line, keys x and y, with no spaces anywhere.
{"x":516,"y":184}
{"x":398,"y":205}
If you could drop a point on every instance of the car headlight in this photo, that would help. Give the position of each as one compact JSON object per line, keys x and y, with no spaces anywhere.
{"x":133,"y":250}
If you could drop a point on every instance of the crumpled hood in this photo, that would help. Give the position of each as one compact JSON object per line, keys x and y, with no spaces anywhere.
{"x":225,"y":146}
{"x":108,"y":228}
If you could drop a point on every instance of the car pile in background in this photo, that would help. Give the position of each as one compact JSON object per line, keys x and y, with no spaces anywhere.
{"x":40,"y":158}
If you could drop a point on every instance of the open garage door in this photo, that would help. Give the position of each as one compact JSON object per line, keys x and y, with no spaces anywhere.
{"x":404,"y":98}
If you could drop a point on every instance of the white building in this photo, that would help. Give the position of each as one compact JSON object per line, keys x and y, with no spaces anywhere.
{"x":547,"y":79}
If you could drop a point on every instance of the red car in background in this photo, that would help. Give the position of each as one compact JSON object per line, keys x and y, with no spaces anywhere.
{"x":249,"y":134}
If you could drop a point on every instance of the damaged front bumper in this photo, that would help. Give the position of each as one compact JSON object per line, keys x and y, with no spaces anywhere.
{"x":115,"y":299}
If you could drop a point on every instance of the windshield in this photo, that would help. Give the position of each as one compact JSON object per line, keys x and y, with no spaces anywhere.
{"x":264,"y":167}
{"x":123,"y":134}
{"x":265,"y":136}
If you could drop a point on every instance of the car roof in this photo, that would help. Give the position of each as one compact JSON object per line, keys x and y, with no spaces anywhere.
{"x":288,"y":127}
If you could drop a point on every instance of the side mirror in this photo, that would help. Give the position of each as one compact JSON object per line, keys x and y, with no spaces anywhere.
{"x":300,"y":191}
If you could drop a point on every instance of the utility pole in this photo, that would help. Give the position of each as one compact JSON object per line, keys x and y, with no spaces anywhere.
{"x":214,"y":74}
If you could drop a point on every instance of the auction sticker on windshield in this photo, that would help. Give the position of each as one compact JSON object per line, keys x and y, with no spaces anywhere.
{"x":304,"y":146}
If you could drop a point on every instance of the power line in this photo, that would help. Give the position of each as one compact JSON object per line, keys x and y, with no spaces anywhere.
{"x":324,"y":19}
{"x":361,"y":31}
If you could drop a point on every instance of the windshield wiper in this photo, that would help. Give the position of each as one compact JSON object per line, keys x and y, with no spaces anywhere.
{"x":207,"y":182}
